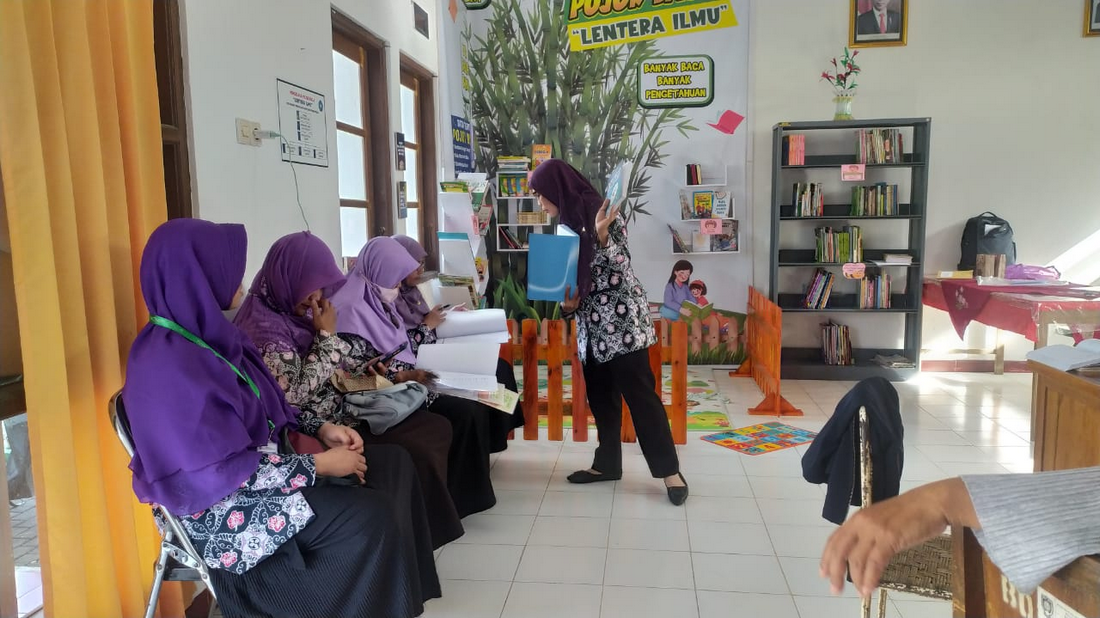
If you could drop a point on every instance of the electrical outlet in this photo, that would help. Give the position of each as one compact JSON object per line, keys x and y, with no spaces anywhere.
{"x":246,"y":132}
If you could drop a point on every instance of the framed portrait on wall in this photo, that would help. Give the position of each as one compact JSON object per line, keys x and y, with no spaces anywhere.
{"x":879,"y":23}
{"x":1092,"y":17}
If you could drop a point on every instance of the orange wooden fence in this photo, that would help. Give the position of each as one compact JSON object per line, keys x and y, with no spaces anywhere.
{"x":764,"y":339}
{"x":555,"y":343}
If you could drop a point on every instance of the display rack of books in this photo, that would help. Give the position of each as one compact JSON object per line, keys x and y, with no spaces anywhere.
{"x":708,"y":221}
{"x":466,"y":208}
{"x":849,"y":200}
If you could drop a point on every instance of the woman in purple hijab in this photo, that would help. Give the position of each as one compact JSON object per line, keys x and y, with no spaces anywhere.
{"x":288,"y":318}
{"x":614,"y":329}
{"x":410,"y":303}
{"x":282,"y":533}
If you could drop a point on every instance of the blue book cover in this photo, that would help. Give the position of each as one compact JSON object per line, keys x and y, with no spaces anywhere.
{"x":552,"y":264}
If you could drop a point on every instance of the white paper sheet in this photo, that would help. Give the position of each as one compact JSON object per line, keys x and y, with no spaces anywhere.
{"x":466,"y":323}
{"x":469,"y":358}
{"x":467,"y":381}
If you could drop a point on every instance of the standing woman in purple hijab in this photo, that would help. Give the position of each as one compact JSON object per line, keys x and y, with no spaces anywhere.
{"x":614,"y":330}
{"x":288,"y":318}
{"x":284,"y":534}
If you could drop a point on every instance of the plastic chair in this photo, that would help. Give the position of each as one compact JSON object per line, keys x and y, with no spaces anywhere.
{"x":179,"y":561}
{"x":924,"y":570}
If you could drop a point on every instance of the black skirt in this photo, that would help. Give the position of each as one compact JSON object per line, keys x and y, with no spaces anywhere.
{"x":367,"y":553}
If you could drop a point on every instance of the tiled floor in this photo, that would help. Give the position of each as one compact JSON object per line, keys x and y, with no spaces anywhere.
{"x":748,"y":540}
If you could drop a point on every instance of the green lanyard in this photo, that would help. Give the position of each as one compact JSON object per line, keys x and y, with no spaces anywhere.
{"x":186,"y":334}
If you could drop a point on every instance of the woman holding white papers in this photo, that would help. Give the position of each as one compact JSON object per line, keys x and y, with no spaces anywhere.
{"x":614,"y":329}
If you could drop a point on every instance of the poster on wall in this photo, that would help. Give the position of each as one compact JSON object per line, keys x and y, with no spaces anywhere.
{"x":676,"y":81}
{"x":399,"y":143}
{"x":303,"y":124}
{"x":462,"y":134}
{"x":599,"y":24}
{"x":402,"y":200}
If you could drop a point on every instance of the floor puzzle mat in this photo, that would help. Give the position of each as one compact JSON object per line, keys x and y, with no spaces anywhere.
{"x":763,"y":438}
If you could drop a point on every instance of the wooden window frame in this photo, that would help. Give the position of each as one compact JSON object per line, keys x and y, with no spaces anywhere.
{"x":168,"y":52}
{"x":422,"y":82}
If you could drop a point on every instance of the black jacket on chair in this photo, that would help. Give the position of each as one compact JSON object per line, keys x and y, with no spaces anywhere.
{"x":833,"y":457}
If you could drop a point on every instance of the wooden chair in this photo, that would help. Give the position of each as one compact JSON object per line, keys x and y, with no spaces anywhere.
{"x":924,"y":570}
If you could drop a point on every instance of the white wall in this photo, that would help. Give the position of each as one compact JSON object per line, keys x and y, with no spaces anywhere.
{"x":1013,"y":93}
{"x":234,"y":51}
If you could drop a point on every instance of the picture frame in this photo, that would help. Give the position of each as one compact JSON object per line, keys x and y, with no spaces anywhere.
{"x":1092,"y":18}
{"x":868,"y":18}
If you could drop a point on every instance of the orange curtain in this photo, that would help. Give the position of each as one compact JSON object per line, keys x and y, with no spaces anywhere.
{"x":80,"y":154}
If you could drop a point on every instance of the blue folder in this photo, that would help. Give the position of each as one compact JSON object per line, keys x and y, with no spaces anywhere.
{"x":552,"y":264}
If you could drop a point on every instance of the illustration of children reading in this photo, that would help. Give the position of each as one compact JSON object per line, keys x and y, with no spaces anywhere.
{"x":677,"y":290}
{"x":699,"y":291}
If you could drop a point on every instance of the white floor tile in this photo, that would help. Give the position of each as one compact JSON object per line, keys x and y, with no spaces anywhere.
{"x":731,"y":510}
{"x":562,"y":565}
{"x":570,"y":531}
{"x":793,"y":512}
{"x":716,"y":485}
{"x":649,"y":569}
{"x":923,"y":609}
{"x":528,"y":600}
{"x":635,"y":484}
{"x":783,"y":488}
{"x":804,"y":578}
{"x":485,"y":529}
{"x":512,"y":502}
{"x":520,"y":480}
{"x":942,"y":454}
{"x":738,"y":573}
{"x":786,"y":463}
{"x":623,"y":602}
{"x":469,"y":599}
{"x":726,"y":604}
{"x":647,"y":506}
{"x":724,"y":464}
{"x":943,"y":437}
{"x":992,"y":437}
{"x":837,"y":607}
{"x":559,"y":482}
{"x":573,"y":504}
{"x":715,"y":537}
{"x":479,"y":562}
{"x":958,"y":468}
{"x":799,"y":541}
{"x":655,"y":534}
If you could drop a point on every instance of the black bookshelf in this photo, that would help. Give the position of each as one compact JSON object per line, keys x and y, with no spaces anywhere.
{"x":807,"y":363}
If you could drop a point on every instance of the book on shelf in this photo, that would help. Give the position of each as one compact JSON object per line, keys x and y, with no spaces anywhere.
{"x":874,"y":292}
{"x":1067,"y":358}
{"x":512,"y":185}
{"x":700,"y":242}
{"x":878,"y":146}
{"x":552,"y":264}
{"x":484,"y":217}
{"x":727,"y":241}
{"x":477,"y":183}
{"x":808,"y":199}
{"x":692,"y":311}
{"x":617,"y":183}
{"x":893,"y":361}
{"x":819,"y":290}
{"x":722,"y":205}
{"x":459,"y":290}
{"x":678,"y":244}
{"x":897,"y":258}
{"x":836,"y":344}
{"x":541,"y":153}
{"x":702,"y":204}
{"x":875,"y":200}
{"x":838,"y":246}
{"x":694,"y":174}
{"x":454,"y":186}
{"x":511,"y":241}
{"x":794,"y":150}
{"x":513,"y":165}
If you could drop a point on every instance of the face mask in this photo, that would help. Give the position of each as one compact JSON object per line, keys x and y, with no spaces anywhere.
{"x":389,"y":294}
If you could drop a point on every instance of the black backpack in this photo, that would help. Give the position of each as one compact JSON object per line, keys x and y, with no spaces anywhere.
{"x":986,"y":234}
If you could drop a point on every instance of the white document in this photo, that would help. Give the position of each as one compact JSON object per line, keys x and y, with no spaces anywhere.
{"x":468,"y":323}
{"x":495,"y":338}
{"x":451,"y":380}
{"x":1051,"y":606}
{"x":1066,"y":358}
{"x":469,"y":358}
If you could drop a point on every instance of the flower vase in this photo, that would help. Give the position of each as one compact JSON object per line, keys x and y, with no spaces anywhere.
{"x":843,"y":106}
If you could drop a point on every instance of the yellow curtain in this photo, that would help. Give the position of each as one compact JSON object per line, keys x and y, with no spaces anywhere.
{"x":81,"y":160}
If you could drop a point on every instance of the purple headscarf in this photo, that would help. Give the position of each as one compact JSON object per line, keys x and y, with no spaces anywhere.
{"x":296,"y":266}
{"x":360,"y":308}
{"x":411,"y":305}
{"x":578,"y":202}
{"x":196,"y":425}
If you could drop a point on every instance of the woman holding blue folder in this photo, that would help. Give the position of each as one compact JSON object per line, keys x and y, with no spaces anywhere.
{"x":614,"y":329}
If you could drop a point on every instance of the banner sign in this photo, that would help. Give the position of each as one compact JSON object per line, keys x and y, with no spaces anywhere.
{"x":462,"y":134}
{"x":676,"y":81}
{"x":601,"y":23}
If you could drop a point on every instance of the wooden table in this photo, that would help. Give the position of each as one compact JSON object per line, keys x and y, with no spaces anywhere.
{"x":980,"y":589}
{"x":1065,"y":419}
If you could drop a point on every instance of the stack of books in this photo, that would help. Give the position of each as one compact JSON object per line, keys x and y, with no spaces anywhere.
{"x":508,"y":239}
{"x":821,"y":286}
{"x":836,"y":247}
{"x":809,"y":199}
{"x":512,"y":185}
{"x":836,"y":344}
{"x":880,"y":146}
{"x":794,"y":150}
{"x":893,"y":361}
{"x":513,"y":164}
{"x":678,"y":244}
{"x":694,"y":174}
{"x":875,"y":201}
{"x":874,"y":292}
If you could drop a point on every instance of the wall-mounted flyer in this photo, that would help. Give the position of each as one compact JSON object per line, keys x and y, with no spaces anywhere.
{"x":303,"y":124}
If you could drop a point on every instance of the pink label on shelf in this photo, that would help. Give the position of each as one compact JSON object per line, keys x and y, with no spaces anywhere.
{"x":710,"y":227}
{"x":853,"y":172}
{"x":854,"y":270}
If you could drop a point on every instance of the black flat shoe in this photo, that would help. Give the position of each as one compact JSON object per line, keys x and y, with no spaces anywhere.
{"x":580,"y":477}
{"x":678,"y":495}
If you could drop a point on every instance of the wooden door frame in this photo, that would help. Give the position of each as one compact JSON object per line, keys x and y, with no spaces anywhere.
{"x":166,"y":24}
{"x":428,"y":159}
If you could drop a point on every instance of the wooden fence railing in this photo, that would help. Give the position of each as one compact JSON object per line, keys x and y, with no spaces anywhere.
{"x":764,"y":339}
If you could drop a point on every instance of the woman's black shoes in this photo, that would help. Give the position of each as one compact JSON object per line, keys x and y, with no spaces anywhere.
{"x":581,"y":477}
{"x":678,"y":495}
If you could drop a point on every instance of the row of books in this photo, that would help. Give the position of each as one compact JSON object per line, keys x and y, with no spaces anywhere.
{"x":511,"y":164}
{"x":874,"y":292}
{"x":809,"y":199}
{"x":694,"y":174}
{"x":880,"y":145}
{"x":794,"y":150}
{"x":725,"y":242}
{"x":875,"y":200}
{"x":706,"y":205}
{"x":838,"y":246}
{"x":821,"y":286}
{"x":836,"y":344}
{"x":509,"y":239}
{"x":512,"y":185}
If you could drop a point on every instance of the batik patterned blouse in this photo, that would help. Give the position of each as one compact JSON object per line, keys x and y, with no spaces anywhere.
{"x":307,"y":381}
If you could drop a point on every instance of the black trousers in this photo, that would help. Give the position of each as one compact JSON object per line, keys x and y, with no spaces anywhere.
{"x":629,"y":377}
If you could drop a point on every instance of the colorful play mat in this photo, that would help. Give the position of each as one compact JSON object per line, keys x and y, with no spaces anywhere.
{"x":763,"y":438}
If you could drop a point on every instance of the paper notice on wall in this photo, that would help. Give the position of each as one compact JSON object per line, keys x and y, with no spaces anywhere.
{"x":1051,"y":606}
{"x":303,"y":123}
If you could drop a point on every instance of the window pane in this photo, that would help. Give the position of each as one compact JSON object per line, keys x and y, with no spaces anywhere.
{"x":349,"y":150}
{"x":353,"y":230}
{"x":412,"y":176}
{"x":408,"y":113}
{"x":346,"y":75}
{"x":412,"y":224}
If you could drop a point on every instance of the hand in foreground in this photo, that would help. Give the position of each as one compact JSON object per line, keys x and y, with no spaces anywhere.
{"x":324,"y":316}
{"x":572,"y":301}
{"x":427,"y":378}
{"x":871,"y":537}
{"x":604,"y":216}
{"x":336,"y":436}
{"x":373,"y":368}
{"x":341,"y":461}
{"x":434,"y":318}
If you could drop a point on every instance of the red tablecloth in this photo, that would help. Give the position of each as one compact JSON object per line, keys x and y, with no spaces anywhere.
{"x":1011,"y":311}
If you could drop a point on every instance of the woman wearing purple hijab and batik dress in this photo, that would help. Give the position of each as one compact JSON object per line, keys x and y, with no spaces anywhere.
{"x":614,"y":329}
{"x":421,"y":322}
{"x":294,"y":326}
{"x":368,"y":319}
{"x":284,"y":534}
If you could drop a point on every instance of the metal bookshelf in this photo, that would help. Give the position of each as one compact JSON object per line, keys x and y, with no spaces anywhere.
{"x":807,"y":363}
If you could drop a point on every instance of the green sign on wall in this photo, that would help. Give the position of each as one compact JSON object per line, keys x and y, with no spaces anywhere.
{"x":601,"y":23}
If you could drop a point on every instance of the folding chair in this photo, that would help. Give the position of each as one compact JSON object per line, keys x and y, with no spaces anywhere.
{"x":178,"y":560}
{"x":924,"y":570}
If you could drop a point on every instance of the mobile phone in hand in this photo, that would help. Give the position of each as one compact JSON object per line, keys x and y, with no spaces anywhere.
{"x":392,"y":353}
